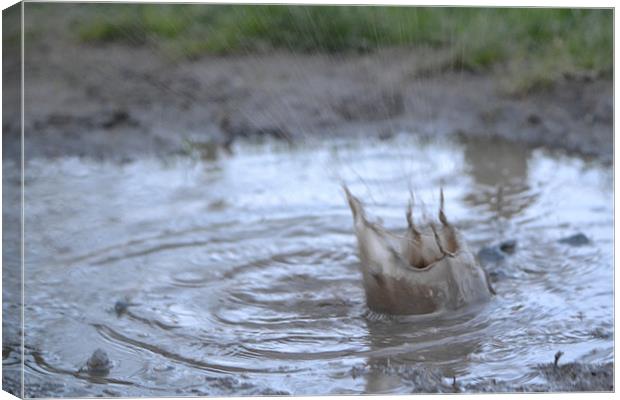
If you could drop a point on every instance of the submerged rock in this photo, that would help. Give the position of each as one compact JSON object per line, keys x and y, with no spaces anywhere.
{"x":578,"y":239}
{"x":121,"y":307}
{"x":98,"y":364}
{"x":508,"y":246}
{"x":426,"y":270}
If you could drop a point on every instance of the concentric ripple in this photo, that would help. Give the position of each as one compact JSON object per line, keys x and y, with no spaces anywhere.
{"x":240,"y":276}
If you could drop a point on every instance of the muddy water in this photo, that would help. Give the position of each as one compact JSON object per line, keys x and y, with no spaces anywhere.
{"x":241,"y":274}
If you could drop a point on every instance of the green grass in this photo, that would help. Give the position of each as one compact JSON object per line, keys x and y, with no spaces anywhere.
{"x":132,"y":24}
{"x":547,"y":41}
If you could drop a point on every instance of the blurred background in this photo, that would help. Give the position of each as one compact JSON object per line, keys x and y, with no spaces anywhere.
{"x":203,"y":73}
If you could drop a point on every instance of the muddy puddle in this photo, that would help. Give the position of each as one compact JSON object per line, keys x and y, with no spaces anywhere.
{"x":239,"y":275}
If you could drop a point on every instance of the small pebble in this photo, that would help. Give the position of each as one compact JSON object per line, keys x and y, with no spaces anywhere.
{"x":534,"y":119}
{"x":578,"y":239}
{"x":121,"y":307}
{"x":99,"y":363}
{"x":508,"y":246}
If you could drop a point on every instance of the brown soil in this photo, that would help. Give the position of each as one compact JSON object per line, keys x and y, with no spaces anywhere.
{"x":120,"y":102}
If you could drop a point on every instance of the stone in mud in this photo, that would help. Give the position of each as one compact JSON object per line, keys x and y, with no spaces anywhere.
{"x":273,"y":392}
{"x":234,"y":128}
{"x":372,"y":105}
{"x":534,"y":119}
{"x":114,"y":118}
{"x":578,"y":239}
{"x":98,"y":364}
{"x":427,"y":270}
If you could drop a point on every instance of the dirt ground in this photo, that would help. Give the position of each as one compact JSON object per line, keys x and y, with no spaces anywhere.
{"x":118,"y":101}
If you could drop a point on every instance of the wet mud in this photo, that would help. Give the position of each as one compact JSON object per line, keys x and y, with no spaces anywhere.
{"x":121,"y":102}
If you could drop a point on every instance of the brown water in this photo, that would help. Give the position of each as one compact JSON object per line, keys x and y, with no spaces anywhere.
{"x":242,"y":271}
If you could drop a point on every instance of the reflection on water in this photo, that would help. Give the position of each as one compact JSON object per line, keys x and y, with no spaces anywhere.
{"x":500,"y":173}
{"x":414,"y":354}
{"x":240,"y":275}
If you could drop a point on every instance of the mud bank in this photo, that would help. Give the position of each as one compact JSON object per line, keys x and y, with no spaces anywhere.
{"x":566,"y":378}
{"x":570,"y":377}
{"x":122,"y":102}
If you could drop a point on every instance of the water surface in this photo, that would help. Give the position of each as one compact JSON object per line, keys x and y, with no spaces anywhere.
{"x":242,"y":271}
